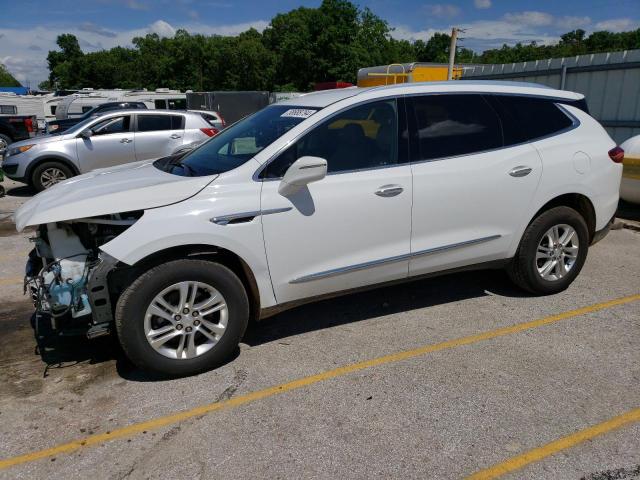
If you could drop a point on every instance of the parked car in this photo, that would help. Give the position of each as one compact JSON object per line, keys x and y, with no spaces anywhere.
{"x":630,"y":185}
{"x":300,"y":201}
{"x":214,"y":118}
{"x":59,"y":126}
{"x":14,"y":128}
{"x":111,"y":139}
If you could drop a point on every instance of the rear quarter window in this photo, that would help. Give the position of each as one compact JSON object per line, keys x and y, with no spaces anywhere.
{"x":529,"y":118}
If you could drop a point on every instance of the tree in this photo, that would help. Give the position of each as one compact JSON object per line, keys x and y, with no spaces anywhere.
{"x":65,"y":66}
{"x":6,"y":79}
{"x":297,"y":49}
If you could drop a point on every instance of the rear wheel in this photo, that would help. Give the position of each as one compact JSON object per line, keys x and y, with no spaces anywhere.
{"x":182,"y":317}
{"x":47,"y":174}
{"x":552,"y":252}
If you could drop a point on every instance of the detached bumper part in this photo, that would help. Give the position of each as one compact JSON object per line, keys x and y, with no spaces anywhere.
{"x":98,"y":290}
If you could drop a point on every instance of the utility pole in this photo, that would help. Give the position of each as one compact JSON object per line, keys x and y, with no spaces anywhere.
{"x":452,"y":52}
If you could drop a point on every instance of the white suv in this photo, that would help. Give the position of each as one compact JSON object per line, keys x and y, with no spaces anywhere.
{"x":318,"y":195}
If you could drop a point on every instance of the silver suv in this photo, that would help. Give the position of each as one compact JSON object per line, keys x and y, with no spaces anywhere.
{"x":111,"y":139}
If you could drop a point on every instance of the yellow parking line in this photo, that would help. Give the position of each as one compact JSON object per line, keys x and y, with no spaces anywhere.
{"x":304,"y":382}
{"x":569,"y":441}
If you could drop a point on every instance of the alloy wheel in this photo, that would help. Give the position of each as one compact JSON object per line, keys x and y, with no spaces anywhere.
{"x":186,"y":320}
{"x":51,"y":176}
{"x":557,"y":252}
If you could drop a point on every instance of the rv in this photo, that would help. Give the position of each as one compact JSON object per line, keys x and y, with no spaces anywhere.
{"x":42,"y":106}
{"x":84,"y":100}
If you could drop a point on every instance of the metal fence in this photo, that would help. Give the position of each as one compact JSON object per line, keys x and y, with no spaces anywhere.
{"x":609,"y":81}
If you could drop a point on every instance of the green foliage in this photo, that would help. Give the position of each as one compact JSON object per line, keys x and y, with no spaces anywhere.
{"x":297,"y":49}
{"x":6,"y":79}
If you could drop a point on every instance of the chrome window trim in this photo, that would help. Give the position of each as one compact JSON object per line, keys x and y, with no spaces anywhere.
{"x":556,"y":100}
{"x":374,"y":263}
{"x":575,"y":123}
{"x":257,"y":173}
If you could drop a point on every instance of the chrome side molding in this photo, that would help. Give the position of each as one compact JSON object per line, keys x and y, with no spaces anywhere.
{"x":246,"y":216}
{"x":397,"y":258}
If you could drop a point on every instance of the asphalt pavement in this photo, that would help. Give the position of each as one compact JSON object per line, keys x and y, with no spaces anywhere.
{"x":439,"y":378}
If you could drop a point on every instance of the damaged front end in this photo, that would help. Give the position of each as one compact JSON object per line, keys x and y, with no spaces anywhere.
{"x":67,"y":273}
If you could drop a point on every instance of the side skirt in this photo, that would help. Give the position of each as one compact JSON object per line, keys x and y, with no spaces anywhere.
{"x":492,"y":265}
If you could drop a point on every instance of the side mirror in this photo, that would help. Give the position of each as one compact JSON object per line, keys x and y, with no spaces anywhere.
{"x":302,"y":172}
{"x":88,"y":133}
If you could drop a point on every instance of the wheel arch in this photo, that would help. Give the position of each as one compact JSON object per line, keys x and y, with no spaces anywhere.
{"x":579,"y":202}
{"x":50,"y":158}
{"x":220,"y":255}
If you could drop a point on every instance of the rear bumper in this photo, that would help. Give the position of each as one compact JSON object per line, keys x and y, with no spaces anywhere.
{"x":600,"y":234}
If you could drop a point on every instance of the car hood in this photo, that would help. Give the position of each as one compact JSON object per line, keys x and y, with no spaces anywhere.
{"x":39,"y":140}
{"x":134,"y":186}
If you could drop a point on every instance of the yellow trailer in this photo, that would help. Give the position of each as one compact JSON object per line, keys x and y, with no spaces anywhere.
{"x":405,"y":73}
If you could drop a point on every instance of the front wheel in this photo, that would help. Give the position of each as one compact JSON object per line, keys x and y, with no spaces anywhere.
{"x":552,"y":252}
{"x":47,"y":174}
{"x":182,"y":317}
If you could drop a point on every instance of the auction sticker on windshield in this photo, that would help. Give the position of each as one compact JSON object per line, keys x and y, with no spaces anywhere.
{"x":298,"y":113}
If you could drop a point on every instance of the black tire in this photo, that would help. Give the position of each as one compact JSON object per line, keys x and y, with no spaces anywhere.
{"x":522,"y":269}
{"x":6,"y":138}
{"x":133,"y":303}
{"x":37,"y":175}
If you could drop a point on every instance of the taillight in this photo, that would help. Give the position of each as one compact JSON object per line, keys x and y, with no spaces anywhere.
{"x":616,"y":154}
{"x":210,"y":132}
{"x":224,"y":124}
{"x":29,"y":124}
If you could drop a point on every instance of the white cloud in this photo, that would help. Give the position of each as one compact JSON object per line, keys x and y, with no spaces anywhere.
{"x":402,"y":32}
{"x":482,"y":4}
{"x":618,"y":24}
{"x":533,"y":19}
{"x":571,"y":23}
{"x":162,"y":28}
{"x":24,"y":51}
{"x":442,"y":10}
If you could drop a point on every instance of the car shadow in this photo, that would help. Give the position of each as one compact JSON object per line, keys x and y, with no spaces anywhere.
{"x":21,"y":191}
{"x":404,"y":297}
{"x":64,"y":352}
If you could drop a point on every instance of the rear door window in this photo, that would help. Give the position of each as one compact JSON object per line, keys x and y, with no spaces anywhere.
{"x":154,"y":123}
{"x":529,"y":118}
{"x":451,"y":125}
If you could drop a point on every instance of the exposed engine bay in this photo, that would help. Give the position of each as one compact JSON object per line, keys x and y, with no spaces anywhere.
{"x":66,"y":273}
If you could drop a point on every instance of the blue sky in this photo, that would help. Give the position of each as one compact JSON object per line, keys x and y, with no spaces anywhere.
{"x":28,"y":28}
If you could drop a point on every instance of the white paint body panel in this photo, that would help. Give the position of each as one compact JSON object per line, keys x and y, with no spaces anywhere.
{"x":338,"y":222}
{"x":467,"y":198}
{"x":334,"y":223}
{"x":135,"y":186}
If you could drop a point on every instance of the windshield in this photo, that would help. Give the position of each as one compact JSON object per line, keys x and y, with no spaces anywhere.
{"x":237,"y":144}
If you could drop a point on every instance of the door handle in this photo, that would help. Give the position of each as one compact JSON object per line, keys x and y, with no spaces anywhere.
{"x":175,"y":135}
{"x":389,"y":190}
{"x":126,"y":140}
{"x":520,"y":171}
